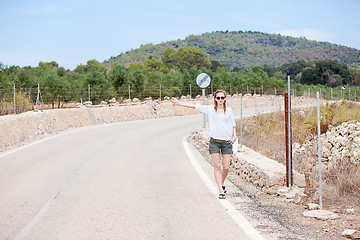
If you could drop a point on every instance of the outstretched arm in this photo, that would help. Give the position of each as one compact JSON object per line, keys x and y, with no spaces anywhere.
{"x":175,"y":102}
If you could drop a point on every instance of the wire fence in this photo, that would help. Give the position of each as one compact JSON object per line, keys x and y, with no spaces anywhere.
{"x":16,"y":100}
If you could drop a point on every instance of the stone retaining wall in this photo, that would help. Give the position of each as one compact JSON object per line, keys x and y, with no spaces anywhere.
{"x":21,"y":128}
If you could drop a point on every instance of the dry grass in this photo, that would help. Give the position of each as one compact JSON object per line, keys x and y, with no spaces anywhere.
{"x":23,"y":104}
{"x":266,"y":134}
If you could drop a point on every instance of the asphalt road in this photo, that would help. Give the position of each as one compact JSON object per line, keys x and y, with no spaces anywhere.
{"x":130,"y":180}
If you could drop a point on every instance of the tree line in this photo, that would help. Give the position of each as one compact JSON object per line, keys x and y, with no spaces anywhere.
{"x":175,"y":72}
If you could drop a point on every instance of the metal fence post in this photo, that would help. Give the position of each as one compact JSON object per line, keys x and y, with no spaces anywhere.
{"x":341,"y":92}
{"x":37,"y":104}
{"x":331,"y":94}
{"x":241,"y":119}
{"x":255,"y":101}
{"x":289,"y":129}
{"x":319,"y":149}
{"x":286,"y":99}
{"x":89,"y":92}
{"x":288,"y":135}
{"x":129,"y":92}
{"x":14,"y":100}
{"x":204,"y":115}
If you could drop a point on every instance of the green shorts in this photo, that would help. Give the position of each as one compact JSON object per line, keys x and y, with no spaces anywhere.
{"x":220,"y":146}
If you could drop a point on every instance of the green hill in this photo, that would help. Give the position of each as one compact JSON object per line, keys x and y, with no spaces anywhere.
{"x":246,"y":49}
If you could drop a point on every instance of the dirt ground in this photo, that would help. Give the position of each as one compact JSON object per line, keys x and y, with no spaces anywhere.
{"x":283,"y":220}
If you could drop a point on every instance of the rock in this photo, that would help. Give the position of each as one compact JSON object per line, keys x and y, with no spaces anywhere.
{"x":299,"y":180}
{"x":331,"y":136}
{"x":348,"y":233}
{"x":293,"y":191}
{"x":88,"y":103}
{"x":296,"y":146}
{"x":350,"y":211}
{"x":340,"y":141}
{"x":313,"y":206}
{"x":316,"y":196}
{"x":356,"y":235}
{"x":345,"y":153}
{"x":113,"y":100}
{"x":343,"y":128}
{"x":325,"y":148}
{"x":282,"y":191}
{"x":271,"y":191}
{"x":299,"y":198}
{"x":261,"y":182}
{"x":103,"y":103}
{"x":356,"y":140}
{"x":355,"y":154}
{"x":135,"y":100}
{"x":79,"y":105}
{"x":320,"y":214}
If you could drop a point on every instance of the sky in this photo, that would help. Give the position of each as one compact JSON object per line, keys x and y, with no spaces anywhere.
{"x":72,"y":32}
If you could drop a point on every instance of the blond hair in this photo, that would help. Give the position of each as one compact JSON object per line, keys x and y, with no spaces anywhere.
{"x":216,"y":104}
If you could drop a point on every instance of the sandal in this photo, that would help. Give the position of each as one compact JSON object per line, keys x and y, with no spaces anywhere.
{"x":222,"y":196}
{"x":223,"y":187}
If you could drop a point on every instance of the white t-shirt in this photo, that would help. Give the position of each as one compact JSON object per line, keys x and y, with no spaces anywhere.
{"x":221,"y":126}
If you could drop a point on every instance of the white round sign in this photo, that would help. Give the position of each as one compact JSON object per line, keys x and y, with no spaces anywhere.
{"x":203,"y":80}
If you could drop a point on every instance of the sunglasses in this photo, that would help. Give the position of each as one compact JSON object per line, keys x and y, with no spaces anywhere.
{"x":222,"y":98}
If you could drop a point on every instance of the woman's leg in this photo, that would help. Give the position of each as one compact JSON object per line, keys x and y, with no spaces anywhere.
{"x":217,"y":170}
{"x":226,"y":166}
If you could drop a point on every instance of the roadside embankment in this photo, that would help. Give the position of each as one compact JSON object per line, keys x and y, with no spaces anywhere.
{"x":21,"y":128}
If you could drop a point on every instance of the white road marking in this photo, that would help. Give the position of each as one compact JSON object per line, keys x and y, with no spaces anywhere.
{"x":244,"y":224}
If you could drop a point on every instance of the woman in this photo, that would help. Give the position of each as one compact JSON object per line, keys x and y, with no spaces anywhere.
{"x":222,"y":135}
